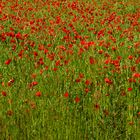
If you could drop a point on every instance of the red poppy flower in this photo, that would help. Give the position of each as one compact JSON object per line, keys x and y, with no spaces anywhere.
{"x":4,"y":93}
{"x":129,"y":89}
{"x":77,"y":99}
{"x":77,"y":80}
{"x":130,"y":57}
{"x":62,"y":48}
{"x":133,"y":68}
{"x":35,"y":54}
{"x":55,"y":69}
{"x":38,"y":94}
{"x":97,"y":106}
{"x":34,"y":83}
{"x":46,"y":51}
{"x":81,"y":75}
{"x":33,"y":75}
{"x":66,"y":95}
{"x":91,"y":60}
{"x":107,"y":61}
{"x":136,"y":75}
{"x":137,"y":60}
{"x":107,"y":80}
{"x":66,"y":62}
{"x":41,"y":47}
{"x":100,"y":51}
{"x":130,"y":80}
{"x":114,"y":48}
{"x":86,"y":90}
{"x":7,"y":62}
{"x":81,"y":50}
{"x":57,"y":63}
{"x":10,"y":82}
{"x":18,"y":36}
{"x":88,"y":82}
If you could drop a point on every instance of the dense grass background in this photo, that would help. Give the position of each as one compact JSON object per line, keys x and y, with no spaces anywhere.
{"x":69,"y":70}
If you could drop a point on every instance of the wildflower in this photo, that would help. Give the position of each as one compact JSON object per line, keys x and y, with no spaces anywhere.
{"x":9,"y":112}
{"x":114,"y":48}
{"x":130,"y":80}
{"x":133,"y":68}
{"x":41,"y":47}
{"x":66,"y":62}
{"x":97,"y":106}
{"x":136,"y":75}
{"x":18,"y":35}
{"x":100,"y":33}
{"x":100,"y":51}
{"x":129,"y":47}
{"x":4,"y":93}
{"x":7,"y":62}
{"x":35,"y":54}
{"x":66,"y":95}
{"x":77,"y":99}
{"x":41,"y":62}
{"x":41,"y":71}
{"x":21,"y":53}
{"x":34,"y":83}
{"x":38,"y":94}
{"x":46,"y":67}
{"x":91,"y":60}
{"x":10,"y":82}
{"x":46,"y":51}
{"x":130,"y":57}
{"x":88,"y":82}
{"x":119,"y":57}
{"x":77,"y":80}
{"x":62,"y":48}
{"x":81,"y":75}
{"x":86,"y":90}
{"x":107,"y":61}
{"x":33,"y":75}
{"x":137,"y":60}
{"x":33,"y":105}
{"x":14,"y":47}
{"x":129,"y":89}
{"x":51,"y":56}
{"x":55,"y":69}
{"x":107,"y":80}
{"x":57,"y":63}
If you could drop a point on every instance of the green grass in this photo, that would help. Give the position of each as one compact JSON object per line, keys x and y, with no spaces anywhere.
{"x":74,"y":72}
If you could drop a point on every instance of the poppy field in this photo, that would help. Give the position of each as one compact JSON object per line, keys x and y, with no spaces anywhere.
{"x":69,"y":70}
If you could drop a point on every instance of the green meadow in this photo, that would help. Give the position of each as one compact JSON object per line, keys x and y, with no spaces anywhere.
{"x":69,"y":70}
